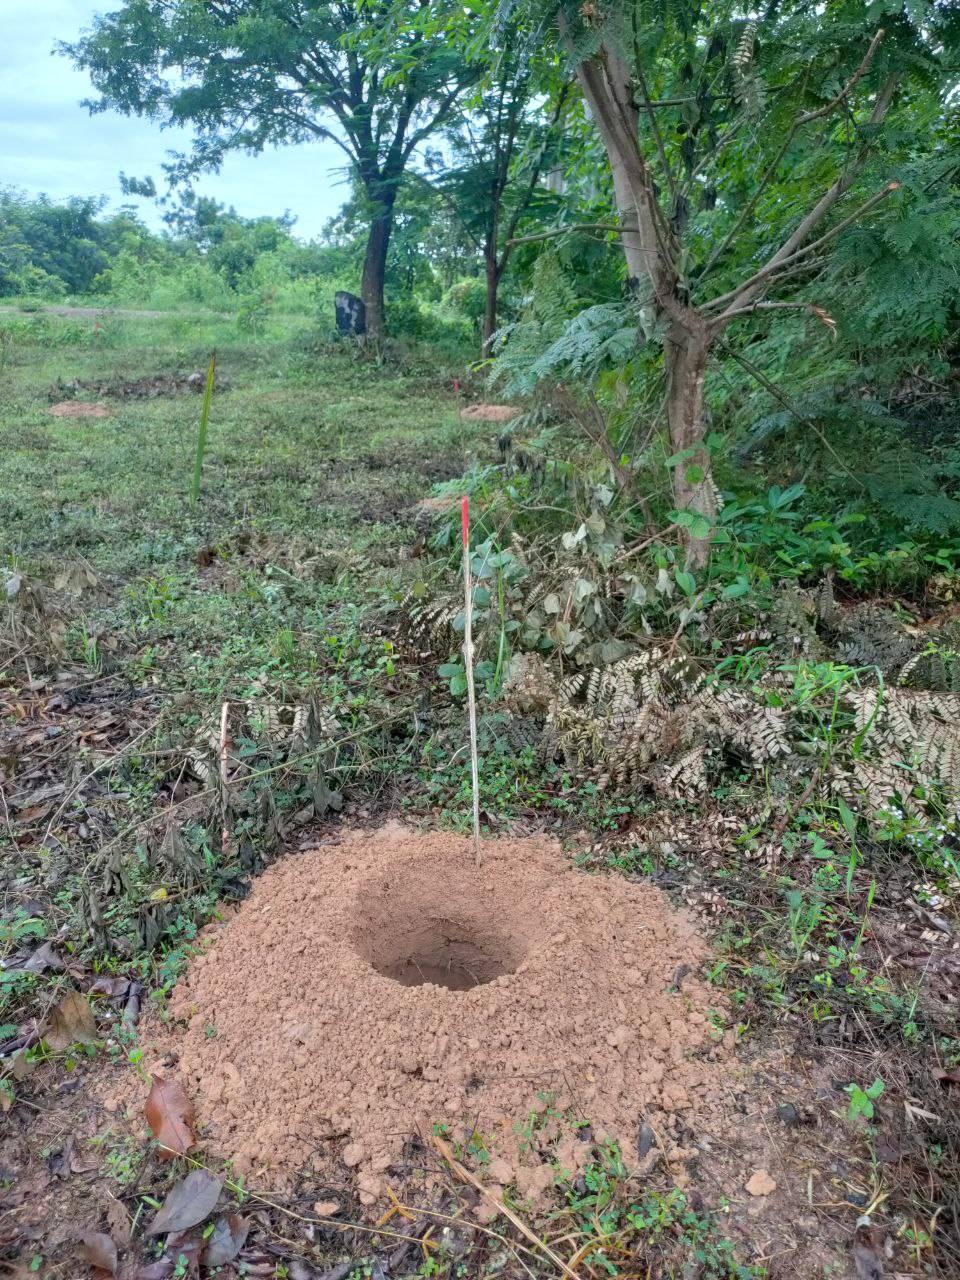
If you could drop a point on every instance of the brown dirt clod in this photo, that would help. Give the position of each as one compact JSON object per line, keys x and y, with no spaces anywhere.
{"x":368,"y":990}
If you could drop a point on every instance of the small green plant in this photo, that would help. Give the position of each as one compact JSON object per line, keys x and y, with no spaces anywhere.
{"x":862,"y":1100}
{"x":202,"y":432}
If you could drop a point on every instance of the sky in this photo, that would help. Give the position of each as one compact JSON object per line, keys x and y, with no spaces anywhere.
{"x":50,"y":143}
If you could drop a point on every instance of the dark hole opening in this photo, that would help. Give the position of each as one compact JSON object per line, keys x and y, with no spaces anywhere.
{"x":442,"y":953}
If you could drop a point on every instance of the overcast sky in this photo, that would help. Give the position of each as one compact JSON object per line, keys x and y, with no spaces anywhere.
{"x":50,"y":143}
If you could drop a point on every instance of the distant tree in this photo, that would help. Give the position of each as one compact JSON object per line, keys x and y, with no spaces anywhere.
{"x":503,"y":142}
{"x":376,"y":77}
{"x":56,"y":246}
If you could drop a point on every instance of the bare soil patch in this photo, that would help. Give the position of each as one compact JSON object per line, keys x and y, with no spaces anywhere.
{"x":366,"y":991}
{"x":490,"y":412}
{"x":78,"y":409}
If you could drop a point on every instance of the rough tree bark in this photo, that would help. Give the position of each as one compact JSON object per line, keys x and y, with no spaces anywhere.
{"x":648,"y":250}
{"x":686,"y":357}
{"x":493,"y":273}
{"x":374,"y":269}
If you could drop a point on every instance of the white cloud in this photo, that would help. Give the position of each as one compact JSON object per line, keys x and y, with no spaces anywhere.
{"x":50,"y":143}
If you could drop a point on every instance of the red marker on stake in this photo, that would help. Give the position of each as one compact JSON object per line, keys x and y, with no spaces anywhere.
{"x":468,"y":665}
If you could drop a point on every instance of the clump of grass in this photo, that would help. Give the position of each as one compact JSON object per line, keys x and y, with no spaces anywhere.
{"x":202,"y":432}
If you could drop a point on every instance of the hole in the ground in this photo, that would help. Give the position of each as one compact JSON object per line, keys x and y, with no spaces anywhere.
{"x":446,"y":956}
{"x":446,"y":930}
{"x":446,"y":952}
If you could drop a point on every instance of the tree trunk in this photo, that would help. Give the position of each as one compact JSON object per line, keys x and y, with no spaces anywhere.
{"x":490,"y":306}
{"x":606,"y":84}
{"x":375,"y":266}
{"x":686,"y":359}
{"x":606,"y":88}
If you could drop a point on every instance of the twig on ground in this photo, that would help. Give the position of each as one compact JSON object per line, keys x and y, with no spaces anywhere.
{"x":466,"y":1176}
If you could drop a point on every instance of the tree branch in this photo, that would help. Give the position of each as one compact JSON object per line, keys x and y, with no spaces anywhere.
{"x":848,"y":88}
{"x":654,"y":127}
{"x":806,"y":118}
{"x":751,"y":287}
{"x":782,"y":399}
{"x":616,"y":227}
{"x":791,"y":249}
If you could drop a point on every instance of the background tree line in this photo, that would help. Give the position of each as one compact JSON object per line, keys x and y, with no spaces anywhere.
{"x":718,"y":235}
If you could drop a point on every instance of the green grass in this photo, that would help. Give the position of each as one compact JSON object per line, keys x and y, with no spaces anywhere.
{"x":278,"y":589}
{"x":272,"y":587}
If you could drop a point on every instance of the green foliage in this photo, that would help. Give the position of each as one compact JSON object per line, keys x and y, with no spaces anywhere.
{"x":862,"y":1100}
{"x":49,"y":250}
{"x":658,"y":1226}
{"x":202,"y":432}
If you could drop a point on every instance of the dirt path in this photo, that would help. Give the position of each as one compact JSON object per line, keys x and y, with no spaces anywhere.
{"x":91,"y":313}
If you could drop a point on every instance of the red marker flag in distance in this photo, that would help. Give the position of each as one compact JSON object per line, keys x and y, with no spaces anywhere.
{"x":465,"y":521}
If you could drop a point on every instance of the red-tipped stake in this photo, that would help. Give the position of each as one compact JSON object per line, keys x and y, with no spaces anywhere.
{"x":468,"y":664}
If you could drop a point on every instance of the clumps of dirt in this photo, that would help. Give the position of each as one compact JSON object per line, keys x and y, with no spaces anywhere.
{"x":369,"y":990}
{"x":78,"y":409}
{"x":490,"y":412}
{"x":146,"y":388}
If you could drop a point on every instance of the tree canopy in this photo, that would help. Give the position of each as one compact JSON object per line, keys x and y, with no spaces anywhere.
{"x":376,"y":77}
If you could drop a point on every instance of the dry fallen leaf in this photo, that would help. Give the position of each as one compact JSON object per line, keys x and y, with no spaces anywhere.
{"x":190,"y":1201}
{"x":44,"y":958}
{"x":71,"y":1022}
{"x":169,"y":1114}
{"x":97,"y":1248}
{"x":228,"y":1238}
{"x":760,"y":1183}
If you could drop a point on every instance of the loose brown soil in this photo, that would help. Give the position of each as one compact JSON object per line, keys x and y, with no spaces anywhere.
{"x":490,"y":412}
{"x":78,"y":409}
{"x":367,"y":990}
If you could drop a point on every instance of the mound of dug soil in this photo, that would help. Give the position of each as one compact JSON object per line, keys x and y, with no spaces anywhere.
{"x":490,"y":412}
{"x":368,"y":990}
{"x":78,"y":409}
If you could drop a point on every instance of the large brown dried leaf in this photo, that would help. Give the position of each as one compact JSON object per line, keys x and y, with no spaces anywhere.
{"x":71,"y":1022}
{"x":228,"y":1238}
{"x":190,"y":1201}
{"x":97,"y":1248}
{"x":44,"y":958}
{"x":185,"y":1248}
{"x":169,"y":1114}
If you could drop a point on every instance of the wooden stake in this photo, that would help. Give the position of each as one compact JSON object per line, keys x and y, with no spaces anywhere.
{"x":468,"y":664}
{"x":225,"y":776}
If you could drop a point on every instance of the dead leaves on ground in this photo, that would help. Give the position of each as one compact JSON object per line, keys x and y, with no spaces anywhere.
{"x":188,"y":1244}
{"x":71,"y":1022}
{"x":170,"y":1116}
{"x":228,"y":1238}
{"x":43,"y":959}
{"x":188,"y":1204}
{"x":99,"y":1250}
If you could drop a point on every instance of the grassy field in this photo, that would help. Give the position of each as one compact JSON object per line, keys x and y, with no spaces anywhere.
{"x":134,"y":617}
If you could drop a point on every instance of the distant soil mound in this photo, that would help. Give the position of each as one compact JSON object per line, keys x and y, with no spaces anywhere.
{"x":78,"y":409}
{"x":368,"y":990}
{"x":490,"y":412}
